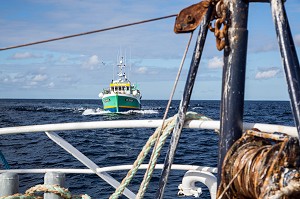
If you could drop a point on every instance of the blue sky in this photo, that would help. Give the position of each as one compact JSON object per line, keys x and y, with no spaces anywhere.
{"x":79,"y":68}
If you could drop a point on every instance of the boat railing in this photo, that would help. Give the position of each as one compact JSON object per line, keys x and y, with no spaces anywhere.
{"x":194,"y":173}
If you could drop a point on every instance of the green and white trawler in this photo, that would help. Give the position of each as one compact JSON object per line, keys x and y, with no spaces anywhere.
{"x":121,"y":95}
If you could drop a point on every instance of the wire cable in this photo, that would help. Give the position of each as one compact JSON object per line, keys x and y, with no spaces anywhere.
{"x":153,"y":161}
{"x":87,"y":33}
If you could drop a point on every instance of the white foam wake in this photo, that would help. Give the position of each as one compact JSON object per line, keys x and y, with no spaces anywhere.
{"x":99,"y":111}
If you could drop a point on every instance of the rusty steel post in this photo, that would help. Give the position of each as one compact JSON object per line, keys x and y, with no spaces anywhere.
{"x":233,"y":82}
{"x":184,"y":102}
{"x":289,"y":57}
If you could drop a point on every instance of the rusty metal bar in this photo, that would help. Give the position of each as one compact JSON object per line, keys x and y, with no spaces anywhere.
{"x":233,"y":83}
{"x":289,"y":57}
{"x":184,"y":102}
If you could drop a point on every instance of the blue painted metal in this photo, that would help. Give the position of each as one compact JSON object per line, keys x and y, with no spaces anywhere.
{"x":289,"y":57}
{"x":233,"y":82}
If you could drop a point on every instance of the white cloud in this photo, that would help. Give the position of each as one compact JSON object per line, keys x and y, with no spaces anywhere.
{"x":32,"y":83}
{"x":91,"y":63}
{"x":65,"y":78}
{"x":297,"y":40}
{"x":266,"y":74}
{"x":51,"y":85}
{"x":215,"y":62}
{"x":17,"y":78}
{"x":24,"y":55}
{"x":142,"y":70}
{"x":4,"y":78}
{"x":63,"y":59}
{"x":39,"y":78}
{"x":35,"y":80}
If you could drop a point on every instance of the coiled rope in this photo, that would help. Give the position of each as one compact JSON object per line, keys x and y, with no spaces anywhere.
{"x":261,"y":165}
{"x":42,"y":188}
{"x":166,"y":131}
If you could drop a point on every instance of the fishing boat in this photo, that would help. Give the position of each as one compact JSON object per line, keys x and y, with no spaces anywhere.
{"x":122,"y":95}
{"x":254,"y":160}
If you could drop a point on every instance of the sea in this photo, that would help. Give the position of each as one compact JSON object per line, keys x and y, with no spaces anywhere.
{"x":111,"y":147}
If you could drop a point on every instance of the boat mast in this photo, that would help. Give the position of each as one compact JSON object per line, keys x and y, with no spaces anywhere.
{"x":121,"y":74}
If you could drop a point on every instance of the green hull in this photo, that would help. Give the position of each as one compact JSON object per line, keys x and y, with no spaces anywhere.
{"x":120,"y":103}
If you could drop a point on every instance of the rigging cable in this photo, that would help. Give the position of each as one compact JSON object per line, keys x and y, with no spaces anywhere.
{"x":90,"y":32}
{"x":153,"y":161}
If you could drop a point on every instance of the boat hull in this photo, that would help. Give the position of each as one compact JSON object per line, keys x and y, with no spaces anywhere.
{"x":120,"y":103}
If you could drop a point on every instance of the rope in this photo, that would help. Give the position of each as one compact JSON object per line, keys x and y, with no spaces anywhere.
{"x":271,"y":169}
{"x":55,"y":189}
{"x":86,"y":33}
{"x":49,"y":188}
{"x":162,"y":140}
{"x":166,"y":130}
{"x":138,"y":161}
{"x":151,"y":163}
{"x":5,"y":163}
{"x":235,"y":176}
{"x":259,"y":165}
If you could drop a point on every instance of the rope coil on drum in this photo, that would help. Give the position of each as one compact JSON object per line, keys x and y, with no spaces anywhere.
{"x":261,"y":165}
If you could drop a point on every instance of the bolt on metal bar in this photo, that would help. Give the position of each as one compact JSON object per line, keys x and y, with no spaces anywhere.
{"x":184,"y":102}
{"x":289,"y":57}
{"x":233,"y":82}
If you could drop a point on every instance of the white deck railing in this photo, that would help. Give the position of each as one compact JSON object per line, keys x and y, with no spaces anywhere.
{"x":50,"y":129}
{"x":197,"y":124}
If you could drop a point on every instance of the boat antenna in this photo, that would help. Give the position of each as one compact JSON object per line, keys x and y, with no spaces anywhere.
{"x":125,"y":63}
{"x":113,"y":77}
{"x":129,"y":61}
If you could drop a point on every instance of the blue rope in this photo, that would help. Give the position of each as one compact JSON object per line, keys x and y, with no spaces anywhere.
{"x":5,"y":163}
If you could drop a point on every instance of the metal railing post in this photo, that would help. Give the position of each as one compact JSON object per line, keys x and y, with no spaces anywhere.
{"x":9,"y":184}
{"x":54,"y":178}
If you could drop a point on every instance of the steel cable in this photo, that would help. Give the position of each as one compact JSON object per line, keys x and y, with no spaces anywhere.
{"x":89,"y":32}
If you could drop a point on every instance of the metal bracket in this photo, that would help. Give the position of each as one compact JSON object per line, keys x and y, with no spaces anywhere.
{"x":189,"y":18}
